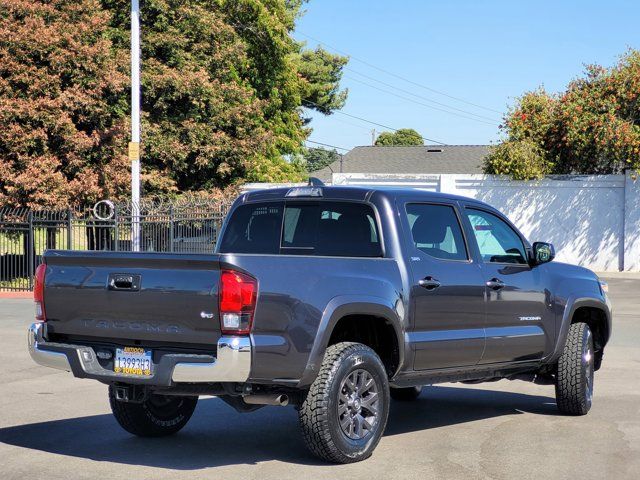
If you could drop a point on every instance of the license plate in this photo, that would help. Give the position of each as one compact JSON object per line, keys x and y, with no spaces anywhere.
{"x":133,"y":360}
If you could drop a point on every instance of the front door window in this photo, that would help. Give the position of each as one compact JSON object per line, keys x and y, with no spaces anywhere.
{"x":497,"y":241}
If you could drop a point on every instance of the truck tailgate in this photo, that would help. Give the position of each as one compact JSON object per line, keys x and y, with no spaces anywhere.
{"x":142,"y":297}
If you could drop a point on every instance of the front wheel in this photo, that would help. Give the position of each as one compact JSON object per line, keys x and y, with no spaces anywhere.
{"x":157,"y":416}
{"x":345,"y":411}
{"x":574,"y":381}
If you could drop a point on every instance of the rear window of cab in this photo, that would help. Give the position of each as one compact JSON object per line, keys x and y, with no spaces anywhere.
{"x":322,"y":228}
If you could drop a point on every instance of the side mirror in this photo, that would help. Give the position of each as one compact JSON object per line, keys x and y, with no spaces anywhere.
{"x":542,"y":253}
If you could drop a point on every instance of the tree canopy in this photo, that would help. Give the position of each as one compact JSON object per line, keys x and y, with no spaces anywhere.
{"x":317,"y":158}
{"x":63,"y":133}
{"x":591,"y":128}
{"x":222,"y":86}
{"x":402,"y":137}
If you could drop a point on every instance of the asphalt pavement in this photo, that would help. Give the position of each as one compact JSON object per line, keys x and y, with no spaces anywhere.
{"x":54,"y":426}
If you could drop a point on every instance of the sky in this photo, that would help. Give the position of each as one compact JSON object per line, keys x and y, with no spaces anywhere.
{"x":407,"y":55}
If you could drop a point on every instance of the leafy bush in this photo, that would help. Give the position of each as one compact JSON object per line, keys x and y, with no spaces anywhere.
{"x":591,"y":128}
{"x":520,"y":159}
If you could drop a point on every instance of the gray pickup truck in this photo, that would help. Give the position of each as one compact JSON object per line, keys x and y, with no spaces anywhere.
{"x":332,"y":299}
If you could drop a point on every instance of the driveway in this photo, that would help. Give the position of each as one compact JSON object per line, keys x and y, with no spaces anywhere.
{"x":54,"y":426}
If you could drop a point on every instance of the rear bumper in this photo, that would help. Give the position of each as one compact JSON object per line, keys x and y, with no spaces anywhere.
{"x":232,"y":363}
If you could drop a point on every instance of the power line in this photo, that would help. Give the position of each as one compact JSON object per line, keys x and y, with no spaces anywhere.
{"x":344,"y":113}
{"x":375,"y":123}
{"x":334,"y":147}
{"x":400,"y":77}
{"x":353,"y":124}
{"x":327,"y":145}
{"x":416,"y":95}
{"x":420,"y":103}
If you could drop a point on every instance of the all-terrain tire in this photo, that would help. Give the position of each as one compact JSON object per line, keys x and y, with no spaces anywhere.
{"x":157,"y":416}
{"x":574,"y":381}
{"x":405,"y":394}
{"x":337,"y":425}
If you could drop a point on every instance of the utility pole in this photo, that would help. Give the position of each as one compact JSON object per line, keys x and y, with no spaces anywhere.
{"x":134,"y":145}
{"x":373,"y":136}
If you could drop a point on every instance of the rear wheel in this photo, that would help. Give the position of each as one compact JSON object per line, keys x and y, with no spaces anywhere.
{"x":405,"y":394}
{"x":345,"y":411}
{"x":157,"y":416}
{"x":574,"y":381}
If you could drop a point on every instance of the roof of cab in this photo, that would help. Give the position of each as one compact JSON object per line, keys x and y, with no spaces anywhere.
{"x":355,"y":192}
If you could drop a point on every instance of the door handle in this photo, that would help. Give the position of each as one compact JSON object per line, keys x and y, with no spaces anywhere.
{"x":495,"y":284}
{"x":123,"y":281}
{"x":429,"y":283}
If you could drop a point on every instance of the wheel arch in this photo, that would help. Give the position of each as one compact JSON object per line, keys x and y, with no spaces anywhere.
{"x":594,"y":313}
{"x":350,"y":310}
{"x":596,"y":319}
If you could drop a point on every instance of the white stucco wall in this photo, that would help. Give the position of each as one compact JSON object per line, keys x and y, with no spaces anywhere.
{"x":592,"y":221}
{"x":632,"y":224}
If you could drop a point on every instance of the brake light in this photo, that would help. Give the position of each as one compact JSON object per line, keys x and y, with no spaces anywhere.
{"x":238,"y":293}
{"x":38,"y":292}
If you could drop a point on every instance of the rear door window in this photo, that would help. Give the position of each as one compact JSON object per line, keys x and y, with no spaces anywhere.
{"x":346,"y":229}
{"x":436,"y":231}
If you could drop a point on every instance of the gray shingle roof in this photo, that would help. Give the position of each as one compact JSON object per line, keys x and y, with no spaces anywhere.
{"x":422,"y":159}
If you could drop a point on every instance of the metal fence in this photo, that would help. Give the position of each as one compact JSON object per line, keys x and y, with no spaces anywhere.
{"x":188,"y":227}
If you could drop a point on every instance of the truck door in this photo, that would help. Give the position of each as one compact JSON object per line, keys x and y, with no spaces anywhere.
{"x":447,"y":289}
{"x":520,"y":320}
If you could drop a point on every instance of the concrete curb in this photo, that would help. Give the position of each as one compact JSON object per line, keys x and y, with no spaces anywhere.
{"x":16,"y":294}
{"x":634,"y":275}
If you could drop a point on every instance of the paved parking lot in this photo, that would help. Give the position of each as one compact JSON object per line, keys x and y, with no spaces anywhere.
{"x":54,"y":426}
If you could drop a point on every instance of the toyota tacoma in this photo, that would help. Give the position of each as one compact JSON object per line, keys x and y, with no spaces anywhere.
{"x":332,"y":299}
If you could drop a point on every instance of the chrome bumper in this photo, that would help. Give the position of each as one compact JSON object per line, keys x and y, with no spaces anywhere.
{"x":232,"y":364}
{"x":43,"y":357}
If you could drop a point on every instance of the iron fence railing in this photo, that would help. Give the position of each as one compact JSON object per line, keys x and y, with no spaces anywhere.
{"x":165,"y":226}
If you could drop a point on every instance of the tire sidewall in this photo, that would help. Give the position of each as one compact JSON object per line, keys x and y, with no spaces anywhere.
{"x":363,"y":359}
{"x":572,"y":395}
{"x":179,"y":415}
{"x":139,"y":419}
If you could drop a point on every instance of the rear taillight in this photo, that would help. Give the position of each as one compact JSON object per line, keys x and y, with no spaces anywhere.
{"x":38,"y":292}
{"x":238,"y":293}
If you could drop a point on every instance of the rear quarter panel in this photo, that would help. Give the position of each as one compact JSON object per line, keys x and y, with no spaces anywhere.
{"x":295,"y":294}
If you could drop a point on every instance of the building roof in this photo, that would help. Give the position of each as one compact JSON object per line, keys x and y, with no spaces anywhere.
{"x":419,"y":159}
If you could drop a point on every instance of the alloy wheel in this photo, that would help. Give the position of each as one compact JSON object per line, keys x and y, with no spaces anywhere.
{"x":358,"y":404}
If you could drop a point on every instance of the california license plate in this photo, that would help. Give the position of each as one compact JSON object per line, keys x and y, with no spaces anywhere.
{"x":133,"y":360}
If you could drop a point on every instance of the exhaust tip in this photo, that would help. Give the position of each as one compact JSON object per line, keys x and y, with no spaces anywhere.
{"x":278,"y":400}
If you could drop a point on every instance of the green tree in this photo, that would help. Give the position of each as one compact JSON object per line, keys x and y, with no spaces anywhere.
{"x":402,"y":137}
{"x":223,"y":83}
{"x":317,"y":158}
{"x":591,"y":128}
{"x":321,"y":73}
{"x":63,"y":131}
